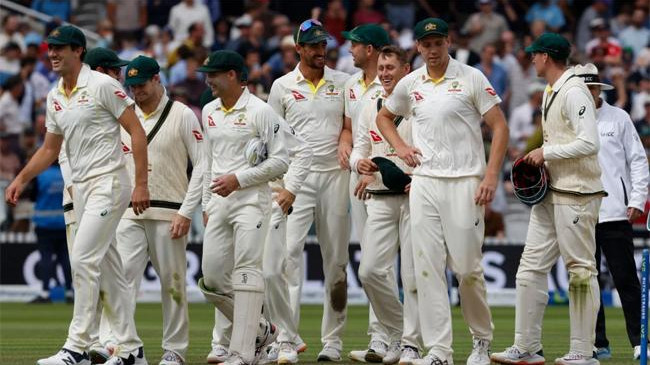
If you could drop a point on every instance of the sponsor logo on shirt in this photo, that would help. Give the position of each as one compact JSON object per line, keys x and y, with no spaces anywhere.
{"x":197,"y":135}
{"x":607,"y":134}
{"x":298,"y":96}
{"x":57,"y":106}
{"x":120,"y":94}
{"x":417,"y":96}
{"x":491,"y":91}
{"x":125,"y":148}
{"x":582,"y":110}
{"x":375,"y":137}
{"x":352,"y":96}
{"x":211,"y":122}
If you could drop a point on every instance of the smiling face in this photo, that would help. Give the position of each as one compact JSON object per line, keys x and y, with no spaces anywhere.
{"x":434,"y":50}
{"x":63,"y":58}
{"x":390,"y":69}
{"x":220,"y":81}
{"x":359,"y":52}
{"x":312,"y":54}
{"x":143,"y":93}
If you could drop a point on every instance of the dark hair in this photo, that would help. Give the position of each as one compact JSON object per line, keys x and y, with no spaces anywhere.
{"x":12,"y":82}
{"x":27,"y":61}
{"x":399,"y":53}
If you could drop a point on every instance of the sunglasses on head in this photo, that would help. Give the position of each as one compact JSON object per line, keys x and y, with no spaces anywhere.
{"x":306,"y":25}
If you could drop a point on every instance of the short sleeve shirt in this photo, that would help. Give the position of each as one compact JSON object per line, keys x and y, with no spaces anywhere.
{"x":357,"y":95}
{"x":88,"y":121}
{"x":446,"y":118}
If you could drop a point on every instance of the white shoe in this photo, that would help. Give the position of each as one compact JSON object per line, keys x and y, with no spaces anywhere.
{"x":265,"y":339}
{"x":393,"y":353}
{"x":65,"y":357}
{"x":480,"y":352}
{"x":512,"y":355}
{"x":409,"y":355}
{"x":329,"y":353}
{"x":234,"y":360}
{"x":140,"y":359}
{"x":637,"y":352}
{"x":287,"y":353}
{"x":218,"y":354}
{"x":357,"y":355}
{"x":99,"y":355}
{"x":432,"y":360}
{"x":376,"y":351}
{"x":574,"y":358}
{"x":171,"y":358}
{"x":272,"y":353}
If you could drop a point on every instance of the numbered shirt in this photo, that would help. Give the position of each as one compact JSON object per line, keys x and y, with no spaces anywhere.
{"x":315,"y":111}
{"x":87,"y":120}
{"x":446,"y":118}
{"x":358,"y":95}
{"x":228,"y":131}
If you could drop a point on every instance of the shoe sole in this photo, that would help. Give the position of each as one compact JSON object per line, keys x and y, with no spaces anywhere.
{"x":356,"y":359}
{"x":374,"y":357}
{"x":323,"y":358}
{"x":214,"y":361}
{"x":287,"y":361}
{"x":509,"y":362}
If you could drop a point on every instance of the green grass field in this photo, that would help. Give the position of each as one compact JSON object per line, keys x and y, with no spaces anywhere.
{"x":29,"y":332}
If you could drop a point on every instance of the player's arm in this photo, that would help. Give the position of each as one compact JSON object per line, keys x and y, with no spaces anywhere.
{"x":206,"y":181}
{"x":193,"y":141}
{"x":496,"y":121}
{"x":639,"y":174}
{"x":42,"y":159}
{"x":388,"y":129}
{"x":131,"y":124}
{"x":300,"y":154}
{"x":579,"y":109}
{"x":345,"y":143}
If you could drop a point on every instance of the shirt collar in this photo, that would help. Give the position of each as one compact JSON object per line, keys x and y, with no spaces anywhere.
{"x":82,"y":79}
{"x":452,"y":71}
{"x":563,"y":79}
{"x":240,"y":104}
{"x":161,"y":104}
{"x":327,"y":74}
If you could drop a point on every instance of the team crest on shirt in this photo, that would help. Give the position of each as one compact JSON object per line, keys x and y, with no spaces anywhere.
{"x":417,"y":96}
{"x":83,"y":99}
{"x":120,"y":94}
{"x":241,"y":120}
{"x":376,"y":95}
{"x":298,"y":96}
{"x":211,"y":122}
{"x":455,"y":87}
{"x":332,"y":91}
{"x":197,"y":135}
{"x":390,"y":152}
{"x":491,"y":91}
{"x":376,"y":138}
{"x":57,"y":106}
{"x":352,"y":95}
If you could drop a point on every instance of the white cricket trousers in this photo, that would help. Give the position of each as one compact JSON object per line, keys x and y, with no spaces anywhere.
{"x":139,"y":240}
{"x":388,"y":229}
{"x":276,"y":300}
{"x":233,"y":250}
{"x":359,"y":215}
{"x":99,"y":204}
{"x":559,"y":230}
{"x":447,"y":229}
{"x":323,"y":200}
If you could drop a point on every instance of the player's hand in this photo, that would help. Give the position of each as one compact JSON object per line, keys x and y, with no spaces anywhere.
{"x":140,"y":199}
{"x":180,"y":226}
{"x":367,"y":167}
{"x":407,"y":188}
{"x":485,"y":192}
{"x":224,"y":185}
{"x":205,"y":219}
{"x":344,"y":155}
{"x":409,"y":155}
{"x":362,"y":184}
{"x":285,"y":199}
{"x":13,"y":191}
{"x":633,"y":214}
{"x":535,"y":157}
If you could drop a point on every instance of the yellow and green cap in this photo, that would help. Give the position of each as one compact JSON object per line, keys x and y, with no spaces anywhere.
{"x":66,"y":34}
{"x":141,"y":70}
{"x":431,"y":26}
{"x":554,"y":44}
{"x":103,"y":57}
{"x":371,"y":34}
{"x":223,"y":60}
{"x":310,"y":31}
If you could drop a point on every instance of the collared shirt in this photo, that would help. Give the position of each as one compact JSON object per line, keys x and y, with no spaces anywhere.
{"x":623,"y":162}
{"x":227,"y":134}
{"x":314,"y":111}
{"x":357,"y":95}
{"x":88,"y":122}
{"x":446,"y":118}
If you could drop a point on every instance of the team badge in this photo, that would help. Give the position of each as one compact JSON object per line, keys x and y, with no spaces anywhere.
{"x":55,"y":33}
{"x":430,"y":26}
{"x":241,"y":119}
{"x":331,"y":90}
{"x":133,"y":72}
{"x":455,"y":87}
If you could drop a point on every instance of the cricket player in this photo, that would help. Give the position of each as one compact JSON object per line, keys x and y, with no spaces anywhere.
{"x":388,"y":225}
{"x":84,"y":114}
{"x":446,"y":102}
{"x":361,"y":89}
{"x":240,"y":130}
{"x":160,"y":234}
{"x":625,"y":177}
{"x":564,"y":222}
{"x":311,"y":99}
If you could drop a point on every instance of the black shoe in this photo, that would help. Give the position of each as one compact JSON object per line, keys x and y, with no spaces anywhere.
{"x":40,"y":300}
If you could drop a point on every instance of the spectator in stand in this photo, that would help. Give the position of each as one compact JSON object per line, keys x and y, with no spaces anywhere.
{"x":194,"y":42}
{"x":105,"y":31}
{"x":549,"y":12}
{"x":129,"y":18}
{"x":460,"y":48}
{"x":10,"y":31}
{"x":56,"y":8}
{"x":179,"y":72}
{"x":643,"y":125}
{"x":40,"y":83}
{"x":187,"y":13}
{"x":282,"y":61}
{"x":521,"y":121}
{"x":494,"y":72}
{"x":243,"y":24}
{"x":603,"y":44}
{"x":9,"y":60}
{"x":598,"y":9}
{"x":222,"y":35}
{"x":10,"y":120}
{"x":158,"y":11}
{"x":366,"y":13}
{"x":334,"y":19}
{"x":50,"y":231}
{"x":10,"y":160}
{"x":281,"y":29}
{"x":639,"y":98}
{"x":28,"y":99}
{"x":537,"y":28}
{"x":484,"y":26}
{"x":401,"y":13}
{"x":636,"y":35}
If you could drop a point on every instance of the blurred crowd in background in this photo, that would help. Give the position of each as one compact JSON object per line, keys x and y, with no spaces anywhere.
{"x":488,"y":34}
